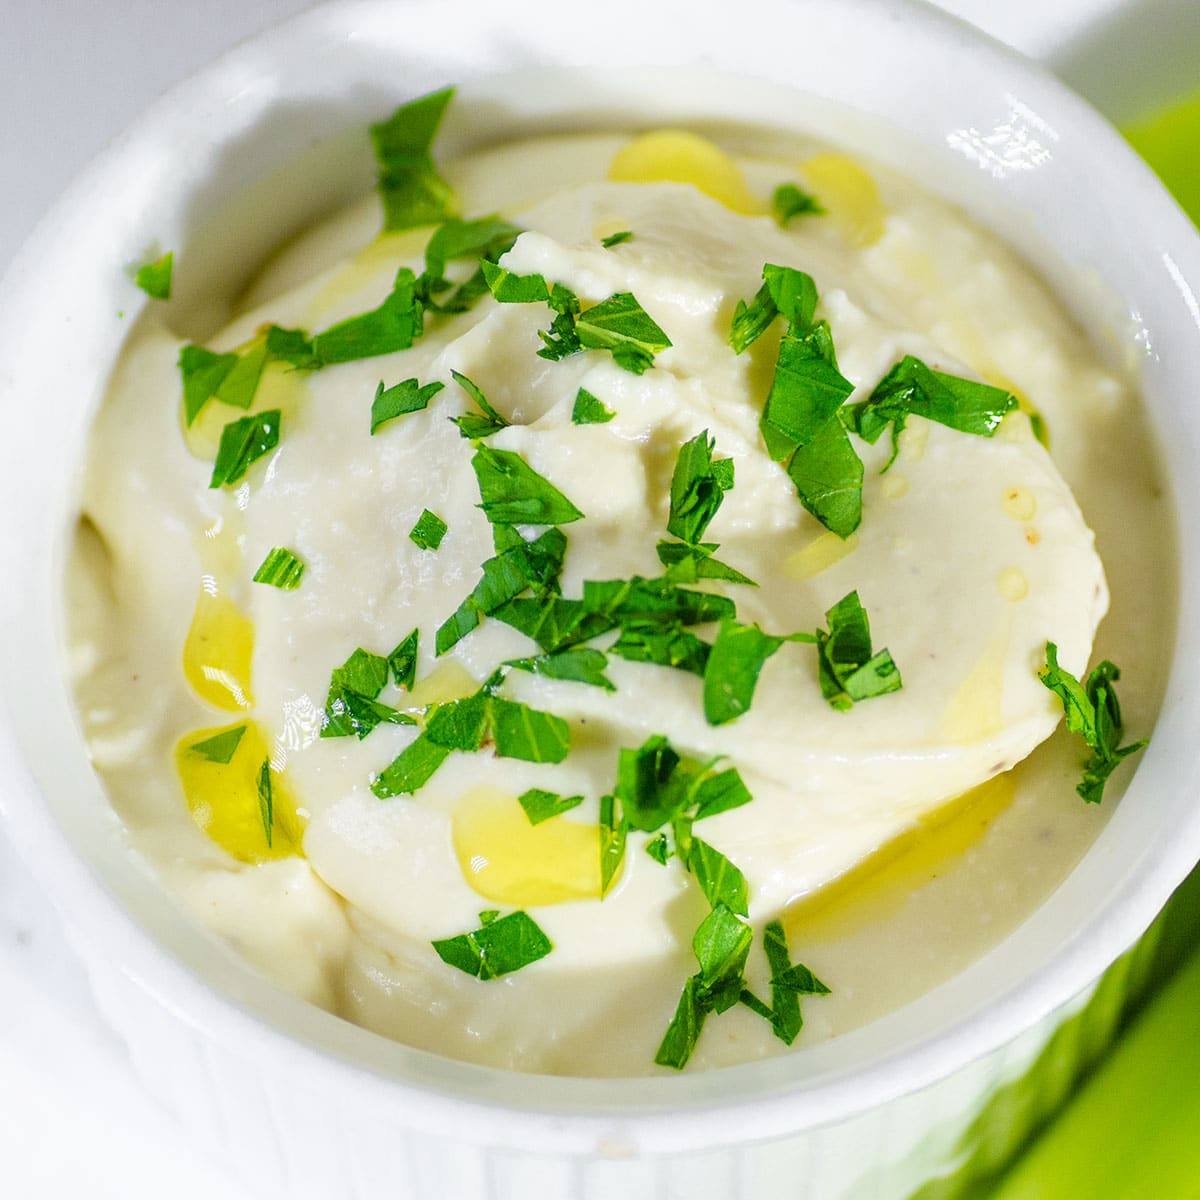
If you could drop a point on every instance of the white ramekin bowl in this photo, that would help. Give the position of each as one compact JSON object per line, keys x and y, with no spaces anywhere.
{"x":274,"y":135}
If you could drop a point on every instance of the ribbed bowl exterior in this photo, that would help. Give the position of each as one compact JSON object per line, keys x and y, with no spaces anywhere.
{"x":939,"y":1143}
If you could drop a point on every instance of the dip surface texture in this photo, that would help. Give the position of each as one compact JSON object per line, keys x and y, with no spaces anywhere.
{"x":895,"y":839}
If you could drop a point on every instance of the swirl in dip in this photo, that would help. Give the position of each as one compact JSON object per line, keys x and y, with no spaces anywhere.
{"x":665,"y":791}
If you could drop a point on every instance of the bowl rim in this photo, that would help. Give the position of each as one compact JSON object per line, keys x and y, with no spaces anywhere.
{"x":685,"y":1112}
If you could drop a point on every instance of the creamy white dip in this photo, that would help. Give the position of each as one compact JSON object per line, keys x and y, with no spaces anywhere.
{"x":972,"y":553}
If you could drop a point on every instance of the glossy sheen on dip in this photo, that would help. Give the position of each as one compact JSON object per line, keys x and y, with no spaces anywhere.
{"x":896,"y":841}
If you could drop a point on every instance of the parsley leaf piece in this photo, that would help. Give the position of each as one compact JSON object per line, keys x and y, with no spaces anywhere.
{"x":474,"y":425}
{"x":281,"y":568}
{"x":589,"y":410}
{"x":722,"y":945}
{"x":621,"y":325}
{"x":578,"y":666}
{"x":806,"y":391}
{"x":243,"y":442}
{"x":292,"y":346}
{"x":614,"y":830}
{"x":785,"y":291}
{"x":238,"y":387}
{"x":554,"y":623}
{"x":1092,"y":711}
{"x":615,"y":239}
{"x":638,"y":601}
{"x":685,"y":1028}
{"x":756,"y":1006}
{"x":410,"y":770}
{"x":719,"y":793}
{"x":731,"y":673}
{"x":794,"y":293}
{"x":644,"y":776}
{"x":513,"y":493}
{"x":412,"y":191}
{"x":659,"y":849}
{"x":525,"y":733}
{"x":785,"y":1003}
{"x":485,"y":238}
{"x":349,"y":713}
{"x":790,"y":201}
{"x":266,"y":804}
{"x":403,"y":662}
{"x":394,"y":325}
{"x":665,"y":646}
{"x":351,"y":707}
{"x":540,"y":805}
{"x":848,"y":671}
{"x":535,"y":564}
{"x":516,"y":731}
{"x":203,"y":371}
{"x":510,"y":288}
{"x":407,"y":396}
{"x":498,"y":947}
{"x":828,"y":476}
{"x":429,"y":530}
{"x":362,"y":672}
{"x":698,"y":485}
{"x":221,"y":747}
{"x":912,"y":387}
{"x":721,"y":882}
{"x":751,"y":321}
{"x":799,"y":979}
{"x":687,"y":564}
{"x":154,"y":278}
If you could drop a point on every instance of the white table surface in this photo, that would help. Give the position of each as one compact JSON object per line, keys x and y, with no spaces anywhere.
{"x":73,"y":73}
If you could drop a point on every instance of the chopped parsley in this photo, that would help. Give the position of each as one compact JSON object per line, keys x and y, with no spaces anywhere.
{"x":513,"y":493}
{"x":510,"y":288}
{"x":412,"y":191}
{"x":576,"y":666}
{"x":732,"y":669}
{"x":394,"y":325}
{"x":407,"y":396}
{"x":614,"y":832}
{"x":266,"y":802}
{"x":523,"y":565}
{"x":428,"y":532}
{"x":788,"y":201}
{"x":221,"y":747}
{"x":514,"y":730}
{"x":281,"y":568}
{"x":485,"y":239}
{"x":352,"y":707}
{"x":786,"y":291}
{"x":847,"y":669}
{"x":615,"y":239}
{"x":500,"y":946}
{"x":483,"y":423}
{"x":1092,"y":711}
{"x":911,"y":387}
{"x":540,"y":805}
{"x":589,"y":410}
{"x":203,"y":371}
{"x":659,"y":849}
{"x":154,"y":278}
{"x":292,"y":346}
{"x":243,"y":442}
{"x":698,"y":485}
{"x":403,"y":662}
{"x":621,"y":325}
